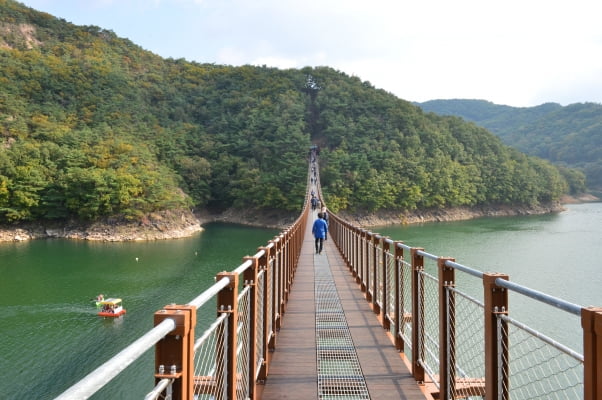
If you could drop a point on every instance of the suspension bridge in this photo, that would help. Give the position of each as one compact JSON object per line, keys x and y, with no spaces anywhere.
{"x":362,"y":320}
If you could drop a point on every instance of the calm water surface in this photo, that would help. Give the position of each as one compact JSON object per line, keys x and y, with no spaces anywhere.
{"x":51,"y":337}
{"x":50,"y":334}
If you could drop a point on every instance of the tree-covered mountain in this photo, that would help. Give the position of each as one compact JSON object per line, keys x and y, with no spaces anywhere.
{"x":569,"y":135}
{"x":92,"y":126}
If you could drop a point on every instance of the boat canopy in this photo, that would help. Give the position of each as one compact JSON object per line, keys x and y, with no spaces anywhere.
{"x":111,"y":301}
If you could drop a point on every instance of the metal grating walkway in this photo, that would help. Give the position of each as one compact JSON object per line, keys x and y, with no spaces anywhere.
{"x":339,"y":371}
{"x":331,"y":345}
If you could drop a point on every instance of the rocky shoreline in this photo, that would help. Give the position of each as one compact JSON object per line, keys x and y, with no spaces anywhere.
{"x":154,"y":226}
{"x":184,"y":223}
{"x":385,"y":218}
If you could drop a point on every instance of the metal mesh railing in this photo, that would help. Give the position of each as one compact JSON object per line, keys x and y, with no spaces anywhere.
{"x":210,"y":361}
{"x":405,"y":306}
{"x":372,"y":251}
{"x":429,"y":359}
{"x":277,"y":281}
{"x":242,"y":352}
{"x":469,"y":358}
{"x":269,"y":298}
{"x":259,"y":338}
{"x":379,"y":276}
{"x":390,"y":305}
{"x":538,"y":366}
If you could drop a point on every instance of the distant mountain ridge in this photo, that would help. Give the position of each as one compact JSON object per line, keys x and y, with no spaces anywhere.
{"x":566,"y":135}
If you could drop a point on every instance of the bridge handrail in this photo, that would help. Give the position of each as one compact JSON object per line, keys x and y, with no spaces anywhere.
{"x":243,"y":267}
{"x":160,"y":387}
{"x":414,"y":310}
{"x":540,"y":296}
{"x":209,"y":293}
{"x":465,"y":269}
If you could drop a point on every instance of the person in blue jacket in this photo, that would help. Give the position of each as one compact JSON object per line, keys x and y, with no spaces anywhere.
{"x":320,"y":230}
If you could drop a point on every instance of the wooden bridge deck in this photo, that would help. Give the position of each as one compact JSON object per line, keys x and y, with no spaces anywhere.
{"x":293,"y":370}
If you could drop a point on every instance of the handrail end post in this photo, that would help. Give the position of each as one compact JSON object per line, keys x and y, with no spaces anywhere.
{"x":174,"y":354}
{"x":591,"y":322}
{"x":495,"y":300}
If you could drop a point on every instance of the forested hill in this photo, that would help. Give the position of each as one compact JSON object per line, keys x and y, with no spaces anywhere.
{"x":569,"y":135}
{"x":94,"y":126}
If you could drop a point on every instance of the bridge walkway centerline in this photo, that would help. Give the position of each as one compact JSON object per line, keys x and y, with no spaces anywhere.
{"x":293,"y":371}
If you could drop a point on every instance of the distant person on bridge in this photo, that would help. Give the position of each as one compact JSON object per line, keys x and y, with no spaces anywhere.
{"x":325,"y":217}
{"x":320,"y":230}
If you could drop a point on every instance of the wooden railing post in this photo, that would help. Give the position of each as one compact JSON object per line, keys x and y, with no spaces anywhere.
{"x":277,"y":284}
{"x":375,"y":239}
{"x":227,"y":301}
{"x":417,"y":314}
{"x":264,"y":265}
{"x":368,"y":266}
{"x":250,"y":277}
{"x":447,"y":329}
{"x":289,"y":261}
{"x":357,"y":245}
{"x":272,"y":314}
{"x":292,"y":255}
{"x":341,"y":238}
{"x":363,"y":261}
{"x":339,"y":233}
{"x":283,"y":275}
{"x":354,"y":250}
{"x":591,"y":322}
{"x":286,"y":265}
{"x":496,"y":340}
{"x":174,"y":354}
{"x":346,"y":241}
{"x":385,"y":284}
{"x":286,"y":255}
{"x":399,"y":300}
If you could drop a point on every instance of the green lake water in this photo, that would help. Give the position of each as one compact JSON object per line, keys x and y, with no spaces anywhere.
{"x":50,"y":334}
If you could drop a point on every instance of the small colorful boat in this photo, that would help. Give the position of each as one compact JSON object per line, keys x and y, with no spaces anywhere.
{"x":111,"y":308}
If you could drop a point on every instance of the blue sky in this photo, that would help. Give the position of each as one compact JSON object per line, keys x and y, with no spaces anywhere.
{"x":516,"y":52}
